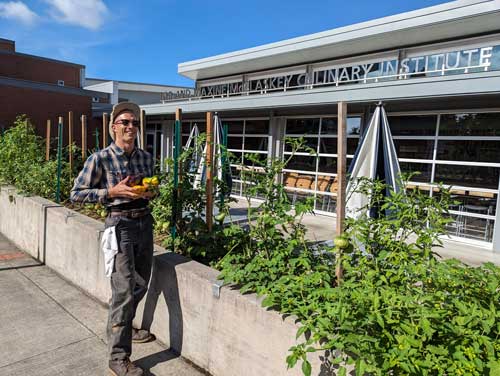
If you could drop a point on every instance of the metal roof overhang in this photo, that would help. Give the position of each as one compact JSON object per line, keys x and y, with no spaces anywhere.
{"x":476,"y":84}
{"x":447,"y":21}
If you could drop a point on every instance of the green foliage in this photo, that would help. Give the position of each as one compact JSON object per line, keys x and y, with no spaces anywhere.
{"x":398,"y":311}
{"x":22,"y":163}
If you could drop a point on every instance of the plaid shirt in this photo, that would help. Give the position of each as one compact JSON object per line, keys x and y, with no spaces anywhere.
{"x":106,"y":168}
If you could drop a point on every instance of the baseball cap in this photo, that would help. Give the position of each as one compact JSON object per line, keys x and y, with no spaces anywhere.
{"x":118,"y":109}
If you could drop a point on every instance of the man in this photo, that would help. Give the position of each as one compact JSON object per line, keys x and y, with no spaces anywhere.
{"x":106,"y":178}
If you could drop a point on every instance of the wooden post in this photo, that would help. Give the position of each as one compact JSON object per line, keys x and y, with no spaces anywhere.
{"x":209,"y":165}
{"x":104,"y":130}
{"x":84,"y":136}
{"x":47,"y":142}
{"x":59,"y":158}
{"x":70,"y":140}
{"x":178,"y":116}
{"x":143,"y":129}
{"x":341,"y":178}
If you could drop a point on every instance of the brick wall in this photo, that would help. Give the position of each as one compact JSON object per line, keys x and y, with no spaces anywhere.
{"x":7,"y":45}
{"x":41,"y":105}
{"x":31,"y":68}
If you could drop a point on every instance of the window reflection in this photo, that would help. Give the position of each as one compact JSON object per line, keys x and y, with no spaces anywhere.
{"x":329,"y":126}
{"x":311,"y":142}
{"x":417,"y":125}
{"x":468,"y":176}
{"x":467,"y":150}
{"x":422,"y":170}
{"x":470,"y":124}
{"x":300,"y":162}
{"x":302,"y":126}
{"x":257,"y":126}
{"x":470,"y":227}
{"x":415,"y":149}
{"x":256,"y":143}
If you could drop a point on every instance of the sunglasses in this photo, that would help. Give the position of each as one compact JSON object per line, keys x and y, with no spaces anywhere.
{"x":126,"y":122}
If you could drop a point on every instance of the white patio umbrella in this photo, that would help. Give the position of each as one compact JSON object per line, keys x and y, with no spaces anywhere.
{"x":218,"y":162}
{"x":375,"y":158}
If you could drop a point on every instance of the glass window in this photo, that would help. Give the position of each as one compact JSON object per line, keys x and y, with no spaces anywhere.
{"x":256,"y":143}
{"x":186,"y":127}
{"x":329,"y":126}
{"x":202,"y":126}
{"x":326,"y":203}
{"x":327,"y":183}
{"x":328,"y":164}
{"x":415,"y":149}
{"x":234,"y":157}
{"x":234,"y":142}
{"x":467,"y":150}
{"x":473,"y":202}
{"x":234,"y":126}
{"x":352,"y":145}
{"x":260,"y":159}
{"x":468,"y":176}
{"x":257,"y":127}
{"x":423,"y":171}
{"x":301,"y":162}
{"x":299,"y":180}
{"x":470,"y":125}
{"x":470,"y":227}
{"x":328,"y":145}
{"x":424,"y":125}
{"x":302,"y":126}
{"x":311,"y":142}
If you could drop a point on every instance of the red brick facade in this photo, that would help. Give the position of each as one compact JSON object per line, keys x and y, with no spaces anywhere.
{"x":24,"y":90}
{"x":7,"y":45}
{"x":41,"y":105}
{"x":32,"y":68}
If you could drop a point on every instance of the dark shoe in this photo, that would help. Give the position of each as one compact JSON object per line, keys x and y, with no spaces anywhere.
{"x":124,"y":368}
{"x":141,"y":336}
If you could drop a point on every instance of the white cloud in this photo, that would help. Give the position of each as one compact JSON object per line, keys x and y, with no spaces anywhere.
{"x":87,"y":13}
{"x":19,"y":11}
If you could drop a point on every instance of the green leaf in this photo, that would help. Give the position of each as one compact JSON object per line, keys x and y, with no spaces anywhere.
{"x":494,"y":367}
{"x":306,"y":368}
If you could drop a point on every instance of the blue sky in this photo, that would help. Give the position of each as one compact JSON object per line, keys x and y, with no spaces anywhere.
{"x":144,"y":41}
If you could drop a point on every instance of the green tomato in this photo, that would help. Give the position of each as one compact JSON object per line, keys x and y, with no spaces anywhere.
{"x":104,"y":213}
{"x":165,"y":226}
{"x":341,"y":242}
{"x":220,"y":217}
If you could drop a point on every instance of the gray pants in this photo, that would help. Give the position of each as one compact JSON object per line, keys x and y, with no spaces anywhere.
{"x":129,"y":280}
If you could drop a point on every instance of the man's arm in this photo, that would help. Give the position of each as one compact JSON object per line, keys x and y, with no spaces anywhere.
{"x":86,"y":187}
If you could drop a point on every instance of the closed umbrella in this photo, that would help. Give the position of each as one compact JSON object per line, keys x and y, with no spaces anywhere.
{"x":375,"y":158}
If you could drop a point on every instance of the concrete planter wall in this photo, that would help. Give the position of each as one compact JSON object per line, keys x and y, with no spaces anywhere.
{"x":219,"y":330}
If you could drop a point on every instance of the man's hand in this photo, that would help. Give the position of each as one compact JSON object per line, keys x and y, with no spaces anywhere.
{"x":122,"y":190}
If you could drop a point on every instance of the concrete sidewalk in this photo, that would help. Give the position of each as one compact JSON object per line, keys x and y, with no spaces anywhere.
{"x":49,"y":327}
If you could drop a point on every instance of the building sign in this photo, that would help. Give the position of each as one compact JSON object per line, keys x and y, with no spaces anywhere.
{"x":439,"y":64}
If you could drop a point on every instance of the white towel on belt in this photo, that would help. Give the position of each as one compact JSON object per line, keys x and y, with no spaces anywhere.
{"x":109,"y":246}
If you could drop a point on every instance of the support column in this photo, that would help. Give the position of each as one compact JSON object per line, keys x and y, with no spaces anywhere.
{"x":105,"y":130}
{"x":341,"y":165}
{"x":209,"y":169}
{"x":496,"y":229}
{"x":167,"y":136}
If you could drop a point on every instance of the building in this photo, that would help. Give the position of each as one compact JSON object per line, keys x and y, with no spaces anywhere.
{"x":137,"y":92}
{"x":437,"y":70}
{"x":41,"y":88}
{"x":113,"y":92}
